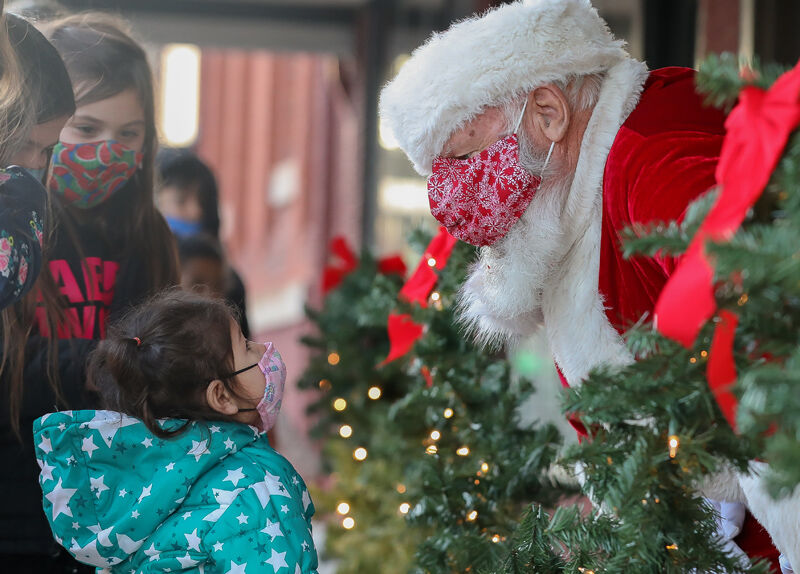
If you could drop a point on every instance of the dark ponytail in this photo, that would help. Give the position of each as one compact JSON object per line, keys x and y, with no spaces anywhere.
{"x":158,"y":360}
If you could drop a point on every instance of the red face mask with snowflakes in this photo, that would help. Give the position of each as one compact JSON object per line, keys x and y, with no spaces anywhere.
{"x":480,"y":198}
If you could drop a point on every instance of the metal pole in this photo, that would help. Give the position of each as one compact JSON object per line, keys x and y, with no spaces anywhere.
{"x":376,"y":42}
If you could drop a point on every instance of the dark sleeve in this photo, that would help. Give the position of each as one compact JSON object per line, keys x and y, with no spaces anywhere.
{"x":39,"y":397}
{"x":237,"y":297}
{"x":22,"y":205}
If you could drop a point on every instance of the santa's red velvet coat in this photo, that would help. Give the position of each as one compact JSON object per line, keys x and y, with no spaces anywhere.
{"x":662,"y":158}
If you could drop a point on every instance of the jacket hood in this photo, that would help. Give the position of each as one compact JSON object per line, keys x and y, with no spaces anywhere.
{"x":109,"y":483}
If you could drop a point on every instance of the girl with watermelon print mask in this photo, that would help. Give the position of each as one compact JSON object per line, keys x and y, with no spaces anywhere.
{"x":112,"y":248}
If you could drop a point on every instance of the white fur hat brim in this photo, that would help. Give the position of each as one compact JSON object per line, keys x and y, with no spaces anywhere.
{"x":488,"y":60}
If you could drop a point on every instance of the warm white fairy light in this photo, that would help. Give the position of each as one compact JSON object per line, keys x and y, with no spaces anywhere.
{"x":404,"y":508}
{"x":436,"y":435}
{"x":340,"y":404}
{"x":349,"y":523}
{"x":360,"y":453}
{"x":448,"y":413}
{"x":463,"y":451}
{"x":374,"y":393}
{"x":673,"y":443}
{"x":473,"y":514}
{"x":432,"y":449}
{"x":345,"y":431}
{"x":343,"y":508}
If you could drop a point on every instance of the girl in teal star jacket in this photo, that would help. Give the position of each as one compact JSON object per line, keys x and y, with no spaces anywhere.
{"x":178,"y":475}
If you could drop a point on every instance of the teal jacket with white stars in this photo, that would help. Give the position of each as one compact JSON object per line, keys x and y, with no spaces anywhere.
{"x":214,"y":499}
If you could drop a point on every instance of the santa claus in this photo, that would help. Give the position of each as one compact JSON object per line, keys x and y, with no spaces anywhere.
{"x":542,"y":140}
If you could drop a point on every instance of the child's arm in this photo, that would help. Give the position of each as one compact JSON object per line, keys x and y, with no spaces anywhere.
{"x":22,"y":205}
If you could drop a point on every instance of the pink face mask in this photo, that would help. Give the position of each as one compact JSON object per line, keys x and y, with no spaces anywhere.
{"x":480,"y":198}
{"x":274,"y":370}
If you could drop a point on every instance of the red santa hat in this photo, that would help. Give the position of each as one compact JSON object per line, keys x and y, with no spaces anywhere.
{"x":488,"y":60}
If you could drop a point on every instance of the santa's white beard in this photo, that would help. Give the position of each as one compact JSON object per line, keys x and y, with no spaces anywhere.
{"x":501,"y":299}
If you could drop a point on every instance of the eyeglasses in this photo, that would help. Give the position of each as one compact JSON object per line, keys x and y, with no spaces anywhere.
{"x":233,"y":374}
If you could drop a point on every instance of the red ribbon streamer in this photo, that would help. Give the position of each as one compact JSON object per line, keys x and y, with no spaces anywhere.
{"x":757,"y":131}
{"x":420,"y":284}
{"x":403,"y":332}
{"x":721,"y":369}
{"x":333,"y":275}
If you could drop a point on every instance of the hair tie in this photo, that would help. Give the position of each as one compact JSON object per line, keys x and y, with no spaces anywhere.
{"x":138,"y":341}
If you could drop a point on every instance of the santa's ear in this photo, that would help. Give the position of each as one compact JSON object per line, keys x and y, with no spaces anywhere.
{"x":220,"y":398}
{"x":550,"y":111}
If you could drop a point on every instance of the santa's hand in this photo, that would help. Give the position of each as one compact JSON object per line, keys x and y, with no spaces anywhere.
{"x":730,"y":518}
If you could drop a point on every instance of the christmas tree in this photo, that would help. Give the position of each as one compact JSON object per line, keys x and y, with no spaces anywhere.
{"x":432,"y":470}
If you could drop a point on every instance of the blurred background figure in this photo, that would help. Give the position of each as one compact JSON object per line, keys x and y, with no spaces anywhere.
{"x":202,"y":265}
{"x":188,"y":199}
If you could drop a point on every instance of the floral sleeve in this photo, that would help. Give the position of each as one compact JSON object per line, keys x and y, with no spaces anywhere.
{"x":22,"y":204}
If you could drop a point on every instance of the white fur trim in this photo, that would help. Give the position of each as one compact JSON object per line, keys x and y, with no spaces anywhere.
{"x":488,"y":60}
{"x":781,"y":518}
{"x":580,"y":335}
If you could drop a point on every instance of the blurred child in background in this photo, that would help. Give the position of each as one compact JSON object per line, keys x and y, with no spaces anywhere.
{"x":189,"y":200}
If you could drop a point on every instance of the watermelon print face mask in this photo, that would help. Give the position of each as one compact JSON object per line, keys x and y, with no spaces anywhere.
{"x":87,"y":174}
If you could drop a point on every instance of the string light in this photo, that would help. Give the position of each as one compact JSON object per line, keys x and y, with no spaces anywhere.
{"x":340,"y":404}
{"x":401,"y":488}
{"x":473,"y":514}
{"x":693,"y":360}
{"x":374,"y":393}
{"x":484,"y":467}
{"x":435,"y":296}
{"x":431,"y":262}
{"x":325,"y":385}
{"x":404,"y":508}
{"x":585,"y":571}
{"x":432,"y":449}
{"x":673,"y":443}
{"x":448,"y":413}
{"x":496,"y":538}
{"x":672,"y":546}
{"x":360,"y":453}
{"x":349,"y":523}
{"x":333,"y":358}
{"x":345,"y":431}
{"x":704,"y":354}
{"x":742,"y":300}
{"x":343,"y":508}
{"x":436,"y":435}
{"x":609,"y":460}
{"x":463,"y":451}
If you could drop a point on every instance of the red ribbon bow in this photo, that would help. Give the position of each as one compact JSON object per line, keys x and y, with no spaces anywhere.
{"x":757,"y":131}
{"x":334,"y":274}
{"x":403,"y":332}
